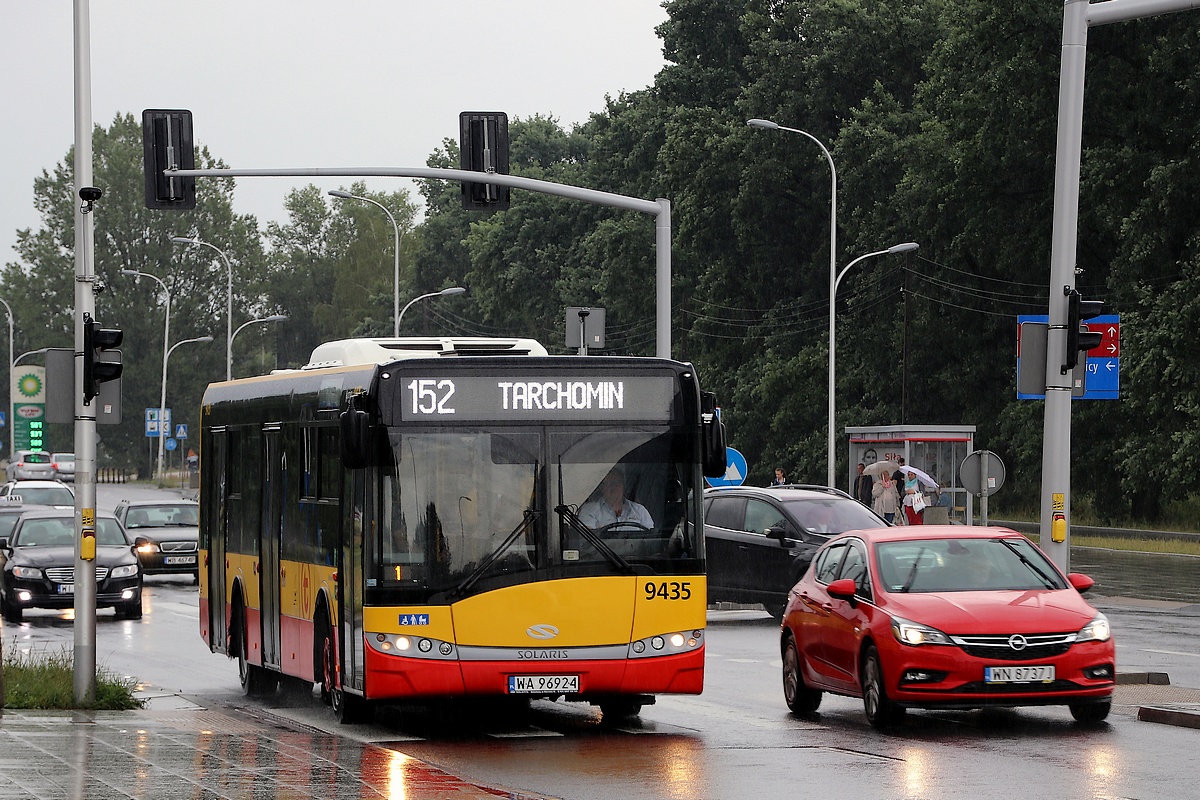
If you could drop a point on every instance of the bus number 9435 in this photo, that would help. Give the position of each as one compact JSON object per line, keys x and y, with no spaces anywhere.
{"x":668,"y":590}
{"x":431,"y":396}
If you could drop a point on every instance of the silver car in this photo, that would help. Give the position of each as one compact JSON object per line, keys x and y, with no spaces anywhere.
{"x":31,"y":465}
{"x":64,"y":466}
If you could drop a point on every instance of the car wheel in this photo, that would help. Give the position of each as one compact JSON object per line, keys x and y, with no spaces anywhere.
{"x":881,"y":712}
{"x":131,"y":610}
{"x":1091,"y":713}
{"x":11,"y":611}
{"x":801,"y":699}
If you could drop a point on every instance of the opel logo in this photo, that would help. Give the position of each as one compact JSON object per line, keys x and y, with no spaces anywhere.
{"x":542,"y":631}
{"x":1017,"y":642}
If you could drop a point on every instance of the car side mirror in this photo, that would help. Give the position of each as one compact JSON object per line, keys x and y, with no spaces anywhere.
{"x":842,"y":589}
{"x":779,"y":534}
{"x":4,"y":543}
{"x":1080,"y":582}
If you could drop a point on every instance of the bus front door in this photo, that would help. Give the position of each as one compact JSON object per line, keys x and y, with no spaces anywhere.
{"x":215,"y":476}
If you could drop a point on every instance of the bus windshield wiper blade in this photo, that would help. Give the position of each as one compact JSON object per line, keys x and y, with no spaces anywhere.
{"x":577,"y":525}
{"x":494,"y":556}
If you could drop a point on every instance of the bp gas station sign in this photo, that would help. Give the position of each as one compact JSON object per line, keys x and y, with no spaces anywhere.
{"x":29,"y":407}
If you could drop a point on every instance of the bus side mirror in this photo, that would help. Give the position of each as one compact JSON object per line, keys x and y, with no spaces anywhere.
{"x":356,"y":438}
{"x":713,"y":444}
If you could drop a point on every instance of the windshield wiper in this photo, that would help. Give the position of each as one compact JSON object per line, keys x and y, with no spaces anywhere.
{"x":494,"y":556}
{"x":1025,"y":560}
{"x":567,"y":513}
{"x":912,"y":573}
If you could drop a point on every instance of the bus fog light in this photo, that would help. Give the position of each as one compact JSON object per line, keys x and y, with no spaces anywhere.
{"x":424,"y":645}
{"x":445,"y":648}
{"x":657,"y":643}
{"x":692,"y":642}
{"x":403,"y":643}
{"x":676,"y":640}
{"x":639,"y":646}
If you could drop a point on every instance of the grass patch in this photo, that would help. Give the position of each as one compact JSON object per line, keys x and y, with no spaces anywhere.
{"x":1140,"y":545}
{"x":47,"y":681}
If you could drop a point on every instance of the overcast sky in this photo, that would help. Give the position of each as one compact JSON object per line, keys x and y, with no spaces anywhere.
{"x":337,"y":83}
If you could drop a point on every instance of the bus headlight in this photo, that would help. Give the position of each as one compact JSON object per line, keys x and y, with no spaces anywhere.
{"x":396,"y":644}
{"x":667,"y":644}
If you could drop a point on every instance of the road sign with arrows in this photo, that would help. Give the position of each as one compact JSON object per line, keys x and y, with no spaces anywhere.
{"x":1103,"y":360}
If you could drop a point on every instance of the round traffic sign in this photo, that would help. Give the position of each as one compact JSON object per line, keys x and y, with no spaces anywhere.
{"x":735,"y":470}
{"x":982,"y":473}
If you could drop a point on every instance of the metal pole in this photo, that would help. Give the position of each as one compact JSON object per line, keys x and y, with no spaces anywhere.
{"x":453,"y":290}
{"x":85,"y":414}
{"x":12,"y":369}
{"x":396,"y":250}
{"x":228,"y":302}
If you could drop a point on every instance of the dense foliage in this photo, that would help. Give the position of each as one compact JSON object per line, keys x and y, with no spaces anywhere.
{"x":941,"y":120}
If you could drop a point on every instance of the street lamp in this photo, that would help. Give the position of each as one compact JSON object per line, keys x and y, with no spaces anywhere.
{"x":166,"y":338}
{"x":228,"y":301}
{"x":772,"y":126}
{"x":906,"y":247}
{"x":453,"y":290}
{"x":272,"y":318}
{"x":396,"y":247}
{"x":162,"y":404}
{"x":12,"y":367}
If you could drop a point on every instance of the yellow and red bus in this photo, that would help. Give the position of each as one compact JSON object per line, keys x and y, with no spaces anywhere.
{"x":408,"y":519}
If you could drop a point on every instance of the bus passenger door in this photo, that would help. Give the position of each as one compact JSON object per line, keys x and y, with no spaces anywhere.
{"x":269,"y":545}
{"x":216,"y":509}
{"x":358,"y":524}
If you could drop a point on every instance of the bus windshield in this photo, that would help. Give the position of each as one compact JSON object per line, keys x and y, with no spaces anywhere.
{"x":466,"y":508}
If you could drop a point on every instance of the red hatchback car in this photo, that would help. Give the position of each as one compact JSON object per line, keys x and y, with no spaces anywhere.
{"x":941,"y":616}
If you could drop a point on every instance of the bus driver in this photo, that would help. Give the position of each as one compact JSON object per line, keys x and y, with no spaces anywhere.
{"x":612,"y":508}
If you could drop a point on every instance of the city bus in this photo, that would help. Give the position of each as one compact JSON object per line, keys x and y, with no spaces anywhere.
{"x":407,"y":520}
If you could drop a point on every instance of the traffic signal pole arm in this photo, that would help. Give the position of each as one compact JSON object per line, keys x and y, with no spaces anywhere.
{"x":660,"y":209}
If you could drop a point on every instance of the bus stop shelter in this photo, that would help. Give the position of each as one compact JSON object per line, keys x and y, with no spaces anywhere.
{"x":935,"y":449}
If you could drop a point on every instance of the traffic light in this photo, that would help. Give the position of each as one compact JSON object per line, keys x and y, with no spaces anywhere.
{"x":96,"y":370}
{"x":167,"y":144}
{"x":1079,"y":338}
{"x":483,"y":147}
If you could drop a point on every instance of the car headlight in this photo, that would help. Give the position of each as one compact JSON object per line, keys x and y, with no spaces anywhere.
{"x":148,"y":548}
{"x":30,"y":573}
{"x":1095,"y":631}
{"x":914,"y":633}
{"x":125,"y":571}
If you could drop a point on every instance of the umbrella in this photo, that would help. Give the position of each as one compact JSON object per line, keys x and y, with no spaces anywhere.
{"x":923,"y":477}
{"x":880,"y":467}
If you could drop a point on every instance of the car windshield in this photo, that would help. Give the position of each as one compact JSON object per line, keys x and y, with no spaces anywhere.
{"x":828,"y":516}
{"x":60,"y":532}
{"x":163,"y":516}
{"x":964,"y":565}
{"x":45,"y":495}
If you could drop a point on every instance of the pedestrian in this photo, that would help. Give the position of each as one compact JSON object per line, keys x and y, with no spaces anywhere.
{"x":863,"y":487}
{"x":912,"y":489}
{"x":780,"y":477}
{"x":886,"y":499}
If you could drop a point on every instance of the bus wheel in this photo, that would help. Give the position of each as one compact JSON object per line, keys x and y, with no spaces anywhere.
{"x":349,"y":708}
{"x":255,"y":680}
{"x":619,"y":709}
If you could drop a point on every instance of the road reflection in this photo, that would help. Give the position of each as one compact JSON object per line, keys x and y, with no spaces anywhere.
{"x":1147,"y":576}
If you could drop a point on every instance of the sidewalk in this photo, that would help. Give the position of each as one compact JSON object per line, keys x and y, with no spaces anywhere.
{"x":174,"y":749}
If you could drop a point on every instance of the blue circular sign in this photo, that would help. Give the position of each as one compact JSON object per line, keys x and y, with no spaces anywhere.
{"x":735,"y":470}
{"x":171,"y":444}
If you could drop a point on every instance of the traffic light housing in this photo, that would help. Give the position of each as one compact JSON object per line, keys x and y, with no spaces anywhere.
{"x":1079,"y":338}
{"x":167,"y":144}
{"x":483,"y":147}
{"x":96,"y":341}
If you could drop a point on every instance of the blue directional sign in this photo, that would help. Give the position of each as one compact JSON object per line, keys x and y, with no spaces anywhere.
{"x":735,"y":470}
{"x":171,"y":444}
{"x":1103,"y":361}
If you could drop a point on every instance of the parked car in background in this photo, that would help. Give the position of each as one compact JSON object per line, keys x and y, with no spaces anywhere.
{"x":64,"y":466}
{"x":942,"y":616}
{"x":37,"y":566}
{"x":758,"y":542}
{"x":39,"y":493}
{"x":30,"y":465}
{"x":167,"y":534}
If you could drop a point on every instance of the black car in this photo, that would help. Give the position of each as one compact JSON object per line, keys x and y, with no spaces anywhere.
{"x":758,"y":542}
{"x":37,"y":566}
{"x":171,"y":531}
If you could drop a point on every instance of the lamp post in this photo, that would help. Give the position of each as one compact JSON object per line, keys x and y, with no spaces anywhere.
{"x":166,"y":338}
{"x":162,"y":404}
{"x":396,"y":248}
{"x":772,"y":126}
{"x":453,"y":290}
{"x":272,"y":318}
{"x":228,"y":301}
{"x":12,"y":367}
